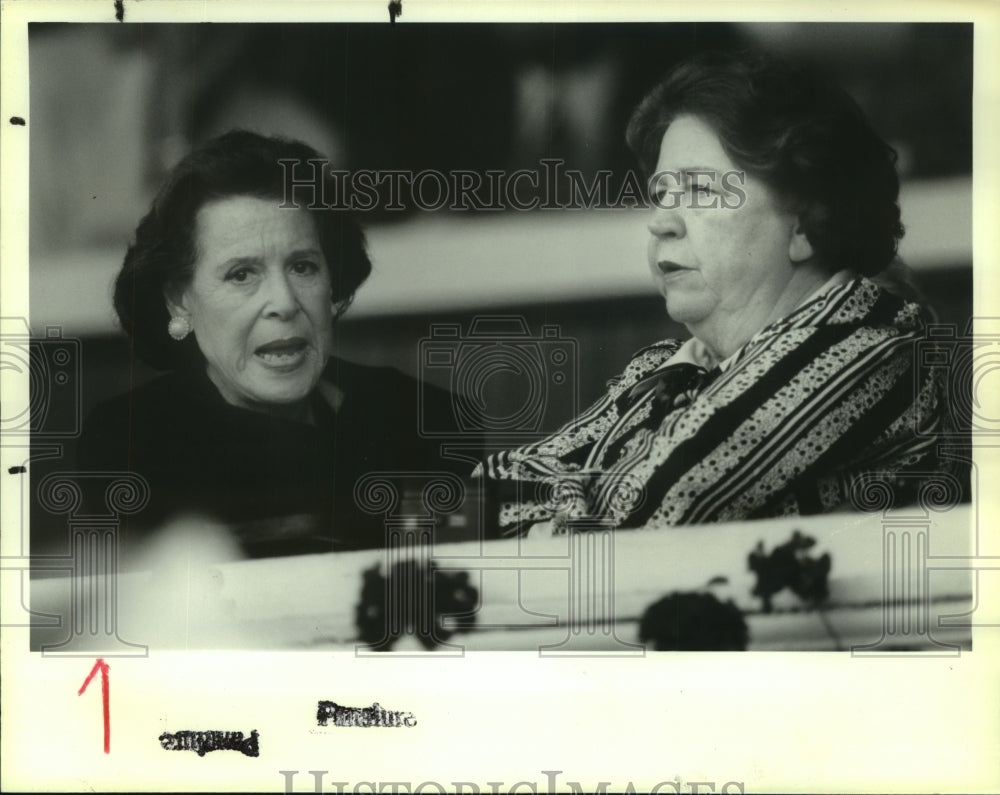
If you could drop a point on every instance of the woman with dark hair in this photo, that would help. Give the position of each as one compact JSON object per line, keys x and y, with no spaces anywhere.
{"x":235,"y":290}
{"x":774,"y":206}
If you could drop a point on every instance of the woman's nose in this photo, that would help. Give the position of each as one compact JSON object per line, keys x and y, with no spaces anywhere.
{"x":280,"y":299}
{"x":666,"y":222}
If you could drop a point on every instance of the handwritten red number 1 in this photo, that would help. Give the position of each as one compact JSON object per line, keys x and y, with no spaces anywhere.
{"x":101,"y":666}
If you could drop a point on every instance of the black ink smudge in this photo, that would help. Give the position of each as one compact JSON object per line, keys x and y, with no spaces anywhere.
{"x":120,"y":10}
{"x":395,"y":10}
{"x":16,"y":471}
{"x":202,"y":742}
{"x":362,"y":717}
{"x":18,"y":121}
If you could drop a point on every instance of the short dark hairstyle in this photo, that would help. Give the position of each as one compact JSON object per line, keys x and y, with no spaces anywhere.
{"x":238,"y":163}
{"x":803,"y":136}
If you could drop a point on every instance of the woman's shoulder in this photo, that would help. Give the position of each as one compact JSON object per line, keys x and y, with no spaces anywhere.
{"x":858,"y":302}
{"x":168,"y":398}
{"x":160,"y":396}
{"x":857,"y":316}
{"x":162,"y":414}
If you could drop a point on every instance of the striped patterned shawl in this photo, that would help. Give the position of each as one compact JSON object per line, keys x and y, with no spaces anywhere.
{"x":825,"y":396}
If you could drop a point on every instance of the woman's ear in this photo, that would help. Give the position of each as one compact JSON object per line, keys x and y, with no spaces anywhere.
{"x":799,"y":247}
{"x":173,"y":296}
{"x":180,"y":318}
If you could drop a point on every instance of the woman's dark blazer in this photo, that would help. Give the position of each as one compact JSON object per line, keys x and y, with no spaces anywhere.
{"x":284,"y":487}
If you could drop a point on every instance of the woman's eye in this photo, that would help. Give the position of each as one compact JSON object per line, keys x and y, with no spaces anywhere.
{"x":704,"y":189}
{"x":238,"y":275}
{"x":305,"y":267}
{"x":667,"y":196}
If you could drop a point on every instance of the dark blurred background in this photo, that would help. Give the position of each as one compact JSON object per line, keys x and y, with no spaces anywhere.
{"x":114,"y":107}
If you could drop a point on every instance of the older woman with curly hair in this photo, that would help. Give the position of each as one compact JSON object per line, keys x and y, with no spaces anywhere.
{"x":235,"y":290}
{"x":774,"y":209}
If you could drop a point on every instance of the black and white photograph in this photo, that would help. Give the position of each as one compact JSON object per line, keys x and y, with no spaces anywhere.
{"x":377,"y":367}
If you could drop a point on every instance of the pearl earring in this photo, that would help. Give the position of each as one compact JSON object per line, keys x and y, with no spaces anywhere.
{"x":179,"y":328}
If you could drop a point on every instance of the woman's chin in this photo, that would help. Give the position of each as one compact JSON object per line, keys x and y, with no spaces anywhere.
{"x":683,"y":312}
{"x":285,"y":394}
{"x":286,"y":379}
{"x":278,"y":389}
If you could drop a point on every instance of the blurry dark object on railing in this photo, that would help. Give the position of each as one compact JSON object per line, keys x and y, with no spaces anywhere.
{"x":693,"y":622}
{"x":789,"y":566}
{"x":414,"y":600}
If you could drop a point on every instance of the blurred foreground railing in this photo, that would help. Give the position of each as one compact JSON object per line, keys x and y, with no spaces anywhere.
{"x":868,"y":583}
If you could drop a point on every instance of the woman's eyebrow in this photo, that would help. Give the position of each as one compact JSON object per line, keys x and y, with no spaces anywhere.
{"x":251,"y":260}
{"x":304,"y":252}
{"x":234,"y":261}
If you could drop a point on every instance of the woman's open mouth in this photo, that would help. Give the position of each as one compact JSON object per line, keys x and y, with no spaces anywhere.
{"x":283,"y":353}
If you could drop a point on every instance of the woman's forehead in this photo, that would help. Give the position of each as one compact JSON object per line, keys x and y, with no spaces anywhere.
{"x":690,"y":143}
{"x":241,"y":206}
{"x":251,"y":228}
{"x":252,"y":220}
